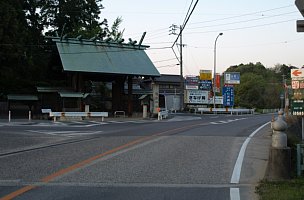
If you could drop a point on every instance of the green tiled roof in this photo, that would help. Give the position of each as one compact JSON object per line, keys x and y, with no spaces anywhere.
{"x":22,"y":97}
{"x":73,"y":94}
{"x":51,"y":89}
{"x":79,"y":56}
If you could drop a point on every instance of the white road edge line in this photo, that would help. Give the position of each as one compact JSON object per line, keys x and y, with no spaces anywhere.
{"x":235,"y":178}
{"x":235,"y":193}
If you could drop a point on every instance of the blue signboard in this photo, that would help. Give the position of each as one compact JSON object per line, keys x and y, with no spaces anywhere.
{"x":205,"y":85}
{"x":228,"y":96}
{"x":192,"y":80}
{"x":232,"y":78}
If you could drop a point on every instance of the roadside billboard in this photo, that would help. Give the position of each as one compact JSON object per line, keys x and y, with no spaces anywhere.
{"x":232,"y":78}
{"x":228,"y":95}
{"x":196,"y":97}
{"x":205,"y":74}
{"x":205,"y":85}
{"x":217,"y":82}
{"x":192,"y":82}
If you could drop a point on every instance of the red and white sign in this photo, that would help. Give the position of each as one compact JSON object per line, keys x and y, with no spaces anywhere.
{"x":297,"y":84}
{"x":297,"y":73}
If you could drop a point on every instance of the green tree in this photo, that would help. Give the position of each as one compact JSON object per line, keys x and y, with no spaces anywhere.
{"x":13,"y":34}
{"x":114,"y":33}
{"x":260,"y":87}
{"x":251,"y":90}
{"x":77,"y":17}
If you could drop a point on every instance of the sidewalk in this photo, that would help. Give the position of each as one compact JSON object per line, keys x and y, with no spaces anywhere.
{"x":255,"y":164}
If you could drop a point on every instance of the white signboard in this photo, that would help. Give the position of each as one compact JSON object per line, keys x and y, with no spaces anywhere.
{"x":191,"y":87}
{"x":197,"y":97}
{"x":297,"y":74}
{"x":219,"y":100}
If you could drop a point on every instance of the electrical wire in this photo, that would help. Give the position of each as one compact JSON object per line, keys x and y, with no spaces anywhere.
{"x":242,"y":15}
{"x":241,"y":28}
{"x":173,"y":65}
{"x":164,"y":60}
{"x":243,"y":21}
{"x":185,"y":22}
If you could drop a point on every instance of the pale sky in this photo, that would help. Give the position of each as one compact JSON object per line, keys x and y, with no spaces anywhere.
{"x":253,"y":31}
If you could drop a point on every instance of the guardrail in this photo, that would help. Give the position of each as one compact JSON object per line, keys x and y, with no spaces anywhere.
{"x":163,"y":114}
{"x":78,"y":114}
{"x":231,"y":111}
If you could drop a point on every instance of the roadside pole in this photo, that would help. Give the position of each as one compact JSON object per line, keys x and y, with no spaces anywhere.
{"x":297,"y":101}
{"x":302,"y":128}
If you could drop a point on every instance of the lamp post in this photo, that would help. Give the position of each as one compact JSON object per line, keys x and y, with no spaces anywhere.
{"x":214,"y":70}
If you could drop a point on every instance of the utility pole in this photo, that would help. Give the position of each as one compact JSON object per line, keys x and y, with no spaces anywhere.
{"x":285,"y":95}
{"x":181,"y":68}
{"x":188,"y":15}
{"x":181,"y":45}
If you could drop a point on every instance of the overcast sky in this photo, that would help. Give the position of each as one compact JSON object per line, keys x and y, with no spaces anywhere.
{"x":253,"y":31}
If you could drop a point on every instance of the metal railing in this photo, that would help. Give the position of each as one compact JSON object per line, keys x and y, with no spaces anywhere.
{"x":300,"y":159}
{"x":231,"y":111}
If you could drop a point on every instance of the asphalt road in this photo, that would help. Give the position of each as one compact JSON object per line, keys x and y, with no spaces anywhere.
{"x":186,"y":157}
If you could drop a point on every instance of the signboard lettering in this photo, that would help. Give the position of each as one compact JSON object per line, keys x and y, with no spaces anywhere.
{"x":205,"y":85}
{"x":197,"y":97}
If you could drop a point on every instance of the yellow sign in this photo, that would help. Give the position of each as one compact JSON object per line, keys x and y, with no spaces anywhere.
{"x":205,"y":74}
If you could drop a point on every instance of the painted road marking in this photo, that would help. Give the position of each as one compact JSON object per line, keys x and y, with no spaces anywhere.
{"x":227,"y":121}
{"x":234,"y":193}
{"x":65,"y":133}
{"x":236,"y":174}
{"x":91,"y":160}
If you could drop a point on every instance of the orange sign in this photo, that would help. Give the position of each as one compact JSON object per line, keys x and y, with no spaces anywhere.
{"x":205,"y":74}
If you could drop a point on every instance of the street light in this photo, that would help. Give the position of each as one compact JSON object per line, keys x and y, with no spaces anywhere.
{"x":214,"y":70}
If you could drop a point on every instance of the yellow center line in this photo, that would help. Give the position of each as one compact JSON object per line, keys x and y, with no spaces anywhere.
{"x":71,"y":168}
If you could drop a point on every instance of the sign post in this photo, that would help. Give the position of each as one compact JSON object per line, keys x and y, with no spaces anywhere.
{"x":297,"y":84}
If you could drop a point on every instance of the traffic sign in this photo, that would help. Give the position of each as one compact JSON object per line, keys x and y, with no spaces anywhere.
{"x":297,"y":84}
{"x":297,"y":73}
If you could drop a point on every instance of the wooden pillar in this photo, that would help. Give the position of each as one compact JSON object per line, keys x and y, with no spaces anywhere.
{"x":117,"y":94}
{"x":130,"y":96}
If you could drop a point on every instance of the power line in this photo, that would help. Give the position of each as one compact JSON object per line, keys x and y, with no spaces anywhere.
{"x":173,"y":65}
{"x":242,"y":15}
{"x":188,"y":12}
{"x":158,"y":48}
{"x":240,"y":28}
{"x":164,"y":60}
{"x":243,"y":21}
{"x":249,"y":45}
{"x":185,"y":23}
